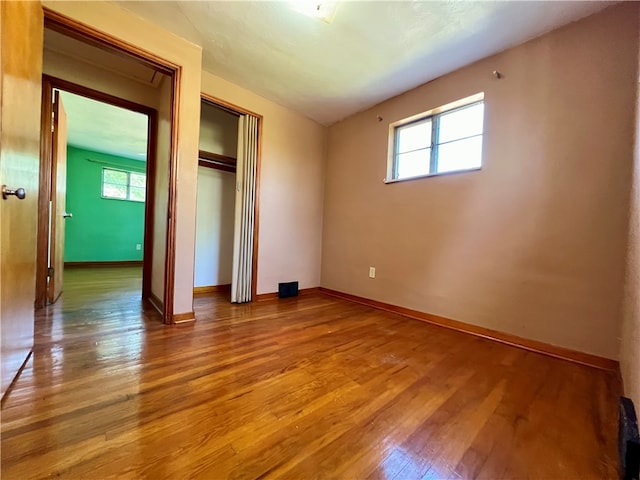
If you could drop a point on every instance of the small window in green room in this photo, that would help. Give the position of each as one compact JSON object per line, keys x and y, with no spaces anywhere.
{"x":446,"y":139}
{"x":123,"y":185}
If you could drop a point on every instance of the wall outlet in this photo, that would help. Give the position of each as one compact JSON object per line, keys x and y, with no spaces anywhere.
{"x":372,"y":272}
{"x":138,"y":246}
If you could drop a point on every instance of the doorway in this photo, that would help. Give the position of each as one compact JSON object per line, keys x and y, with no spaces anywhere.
{"x":217,"y":142}
{"x":77,"y":59}
{"x":106,"y":183}
{"x":216,"y":196}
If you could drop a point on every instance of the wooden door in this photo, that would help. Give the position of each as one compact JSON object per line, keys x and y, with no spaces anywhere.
{"x":58,"y":199}
{"x":21,"y":28}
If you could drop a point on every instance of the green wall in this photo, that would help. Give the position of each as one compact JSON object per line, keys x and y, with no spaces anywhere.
{"x":101,"y":229}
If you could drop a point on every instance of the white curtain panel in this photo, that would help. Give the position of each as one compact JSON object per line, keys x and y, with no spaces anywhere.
{"x":245,"y":208}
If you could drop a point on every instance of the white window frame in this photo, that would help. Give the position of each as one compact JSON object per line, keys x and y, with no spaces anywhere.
{"x":433,"y":116}
{"x":128,"y":185}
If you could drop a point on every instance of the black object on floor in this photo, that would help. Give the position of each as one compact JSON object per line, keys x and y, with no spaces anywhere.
{"x":628,"y":441}
{"x":288,"y":289}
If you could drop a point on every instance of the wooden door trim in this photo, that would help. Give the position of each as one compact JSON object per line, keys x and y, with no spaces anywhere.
{"x":44,"y":194}
{"x":53,"y":200}
{"x":50,"y":83}
{"x":170,"y":252}
{"x":217,"y":102}
{"x":93,"y":94}
{"x":230,"y":107}
{"x":80,"y":31}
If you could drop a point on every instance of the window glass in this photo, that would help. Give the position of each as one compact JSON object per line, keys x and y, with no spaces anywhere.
{"x":412,"y":164}
{"x":444,"y":142}
{"x":138,"y":180}
{"x":462,"y":123}
{"x":414,"y":137}
{"x":117,"y":177}
{"x":114,"y":191}
{"x":460,"y":155}
{"x":123,"y":185}
{"x":137,"y":194}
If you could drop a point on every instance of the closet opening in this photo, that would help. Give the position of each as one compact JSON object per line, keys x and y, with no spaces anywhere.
{"x":227,"y":202}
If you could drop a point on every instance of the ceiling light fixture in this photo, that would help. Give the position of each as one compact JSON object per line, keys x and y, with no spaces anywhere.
{"x":324,"y":11}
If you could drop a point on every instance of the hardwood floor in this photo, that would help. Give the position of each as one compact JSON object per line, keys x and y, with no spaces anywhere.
{"x":314,"y":387}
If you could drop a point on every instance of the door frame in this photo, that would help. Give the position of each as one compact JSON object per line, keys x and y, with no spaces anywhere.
{"x":49,"y":84}
{"x":224,"y":105}
{"x":92,"y":36}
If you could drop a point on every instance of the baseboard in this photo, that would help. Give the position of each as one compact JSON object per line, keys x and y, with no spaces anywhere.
{"x":185,"y":317}
{"x":274,"y":295}
{"x":506,"y":338}
{"x":123,"y":263}
{"x":212,"y":289}
{"x":156,"y":302}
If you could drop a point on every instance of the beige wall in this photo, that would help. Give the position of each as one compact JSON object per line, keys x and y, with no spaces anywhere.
{"x":291,"y":188}
{"x":216,"y":200}
{"x":214,"y":227}
{"x":76,"y":71}
{"x":218,"y":131}
{"x":132,"y":29}
{"x":630,"y":332}
{"x":533,"y":244}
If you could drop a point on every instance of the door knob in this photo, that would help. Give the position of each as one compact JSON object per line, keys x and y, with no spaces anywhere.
{"x":67,"y":215}
{"x":20,"y":192}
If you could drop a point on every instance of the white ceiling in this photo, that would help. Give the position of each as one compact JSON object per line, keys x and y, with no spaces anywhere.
{"x":371,"y":51}
{"x":104,"y":128}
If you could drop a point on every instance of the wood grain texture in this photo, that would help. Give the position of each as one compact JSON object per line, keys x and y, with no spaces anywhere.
{"x":184,"y":317}
{"x":170,"y":251}
{"x":212,"y":288}
{"x":217,"y":157}
{"x":217,"y":166}
{"x":262,"y":297}
{"x":217,"y":161}
{"x":314,"y":387}
{"x":502,"y":337}
{"x":58,"y":199}
{"x":20,"y":119}
{"x":44,"y":194}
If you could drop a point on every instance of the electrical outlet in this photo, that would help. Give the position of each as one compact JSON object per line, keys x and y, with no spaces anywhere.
{"x":372,"y":272}
{"x":138,"y":246}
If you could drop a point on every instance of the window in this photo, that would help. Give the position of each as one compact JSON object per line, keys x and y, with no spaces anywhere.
{"x":447,"y":139}
{"x":123,"y":185}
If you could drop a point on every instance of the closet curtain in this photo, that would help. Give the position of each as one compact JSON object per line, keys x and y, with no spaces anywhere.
{"x":246,"y":171}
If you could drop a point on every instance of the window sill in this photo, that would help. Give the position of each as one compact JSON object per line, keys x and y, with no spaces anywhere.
{"x":439,"y":174}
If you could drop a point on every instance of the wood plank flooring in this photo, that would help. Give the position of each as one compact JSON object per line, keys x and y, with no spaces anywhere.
{"x":314,"y":387}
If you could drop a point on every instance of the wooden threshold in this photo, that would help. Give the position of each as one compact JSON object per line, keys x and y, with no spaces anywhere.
{"x":274,"y":295}
{"x":119,"y":263}
{"x":212,"y":288}
{"x":502,"y":337}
